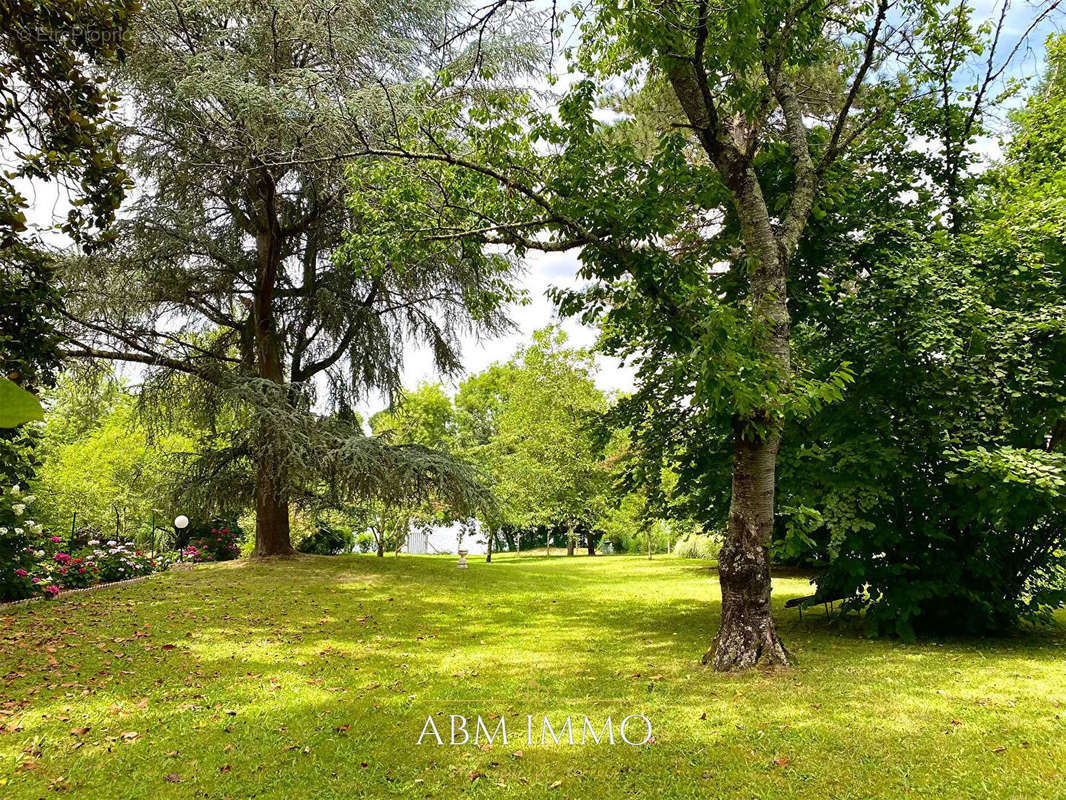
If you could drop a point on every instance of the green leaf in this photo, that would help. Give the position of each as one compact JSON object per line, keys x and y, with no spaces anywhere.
{"x":17,"y":405}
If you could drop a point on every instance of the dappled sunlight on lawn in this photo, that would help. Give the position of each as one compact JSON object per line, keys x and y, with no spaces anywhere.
{"x":313,"y":678}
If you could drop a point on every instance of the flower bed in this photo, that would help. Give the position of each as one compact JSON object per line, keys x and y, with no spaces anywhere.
{"x":35,"y":564}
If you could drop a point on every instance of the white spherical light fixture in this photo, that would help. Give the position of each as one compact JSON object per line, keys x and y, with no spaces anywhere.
{"x":181,"y":522}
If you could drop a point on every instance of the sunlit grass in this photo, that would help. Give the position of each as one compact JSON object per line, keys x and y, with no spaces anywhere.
{"x":313,"y":678}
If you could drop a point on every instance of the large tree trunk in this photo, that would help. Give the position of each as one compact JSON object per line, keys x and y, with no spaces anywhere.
{"x":271,"y":510}
{"x":748,"y":635}
{"x":590,"y":542}
{"x":488,"y":552}
{"x":271,"y":514}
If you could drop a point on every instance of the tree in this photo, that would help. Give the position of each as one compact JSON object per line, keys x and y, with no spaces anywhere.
{"x":527,"y":424}
{"x":239,"y":272}
{"x":54,"y":126}
{"x":933,"y":494}
{"x":422,"y":417}
{"x":100,"y":464}
{"x":763,"y":100}
{"x":54,"y":112}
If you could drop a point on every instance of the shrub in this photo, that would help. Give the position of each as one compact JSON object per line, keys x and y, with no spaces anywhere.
{"x":218,"y":540}
{"x":22,"y":546}
{"x":698,"y":545}
{"x":77,"y":572}
{"x":993,"y":553}
{"x":117,"y":561}
{"x":327,"y":540}
{"x":34,"y":563}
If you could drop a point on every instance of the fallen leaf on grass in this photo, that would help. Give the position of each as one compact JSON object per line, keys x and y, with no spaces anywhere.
{"x":474,"y":775}
{"x":556,"y":785}
{"x":780,"y":761}
{"x":172,"y":778}
{"x":999,"y":749}
{"x":517,"y":754}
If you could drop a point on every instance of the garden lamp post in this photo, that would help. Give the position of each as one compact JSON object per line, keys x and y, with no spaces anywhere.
{"x":181,"y":522}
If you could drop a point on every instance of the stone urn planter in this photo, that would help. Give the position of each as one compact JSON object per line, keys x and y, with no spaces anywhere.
{"x":462,"y":559}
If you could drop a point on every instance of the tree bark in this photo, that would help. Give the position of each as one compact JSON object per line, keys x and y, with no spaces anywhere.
{"x":381,"y":547}
{"x":271,"y":513}
{"x":748,"y":635}
{"x":488,"y":552}
{"x":590,"y":542}
{"x":271,"y":510}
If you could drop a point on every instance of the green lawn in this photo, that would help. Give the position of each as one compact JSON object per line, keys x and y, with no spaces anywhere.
{"x":313,"y":678}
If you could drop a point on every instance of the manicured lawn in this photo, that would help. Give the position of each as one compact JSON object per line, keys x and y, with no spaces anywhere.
{"x":313,"y":679}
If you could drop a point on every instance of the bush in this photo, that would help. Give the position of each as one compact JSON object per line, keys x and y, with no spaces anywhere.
{"x":327,"y":540}
{"x":34,"y":563}
{"x":19,"y":541}
{"x":993,"y":553}
{"x":116,"y":561}
{"x":218,"y":540}
{"x":75,"y":571}
{"x":698,"y":545}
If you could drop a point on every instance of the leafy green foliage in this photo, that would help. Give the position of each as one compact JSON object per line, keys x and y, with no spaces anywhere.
{"x":932,"y":491}
{"x":54,"y":110}
{"x":529,"y":425}
{"x":17,"y":406}
{"x":327,"y":540}
{"x":102,"y":465}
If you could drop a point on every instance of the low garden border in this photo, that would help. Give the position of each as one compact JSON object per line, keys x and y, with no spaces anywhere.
{"x":66,"y":592}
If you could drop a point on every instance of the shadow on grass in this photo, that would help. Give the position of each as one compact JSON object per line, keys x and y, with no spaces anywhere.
{"x":312,"y":677}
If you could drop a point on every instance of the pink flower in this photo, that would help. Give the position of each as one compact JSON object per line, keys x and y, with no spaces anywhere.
{"x":36,"y":579}
{"x":51,"y":590}
{"x":61,"y":558}
{"x":55,"y":539}
{"x":21,"y":573}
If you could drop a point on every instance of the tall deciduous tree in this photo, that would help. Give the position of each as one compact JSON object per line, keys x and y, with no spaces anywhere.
{"x":688,"y":244}
{"x":228,"y":265}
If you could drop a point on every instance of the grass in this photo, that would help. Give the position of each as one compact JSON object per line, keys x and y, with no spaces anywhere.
{"x":313,"y":678}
